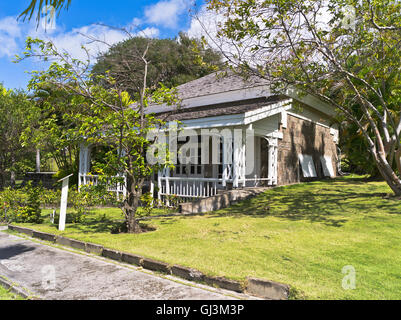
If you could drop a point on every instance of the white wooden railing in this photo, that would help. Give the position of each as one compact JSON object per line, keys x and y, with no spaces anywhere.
{"x":117,"y":187}
{"x":187,"y":188}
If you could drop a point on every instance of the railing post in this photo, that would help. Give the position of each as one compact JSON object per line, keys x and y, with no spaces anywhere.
{"x":167,"y":191}
{"x":159,"y":185}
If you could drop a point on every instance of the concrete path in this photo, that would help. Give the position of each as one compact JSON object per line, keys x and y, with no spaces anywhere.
{"x":57,"y":273}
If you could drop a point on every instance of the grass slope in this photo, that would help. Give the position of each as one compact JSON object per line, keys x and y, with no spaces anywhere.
{"x":302,"y":235}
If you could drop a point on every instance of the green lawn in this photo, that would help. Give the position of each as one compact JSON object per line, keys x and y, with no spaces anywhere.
{"x":302,"y":235}
{"x":7,"y":295}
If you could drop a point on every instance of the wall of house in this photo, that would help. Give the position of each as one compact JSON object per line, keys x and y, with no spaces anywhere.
{"x":306,"y":137}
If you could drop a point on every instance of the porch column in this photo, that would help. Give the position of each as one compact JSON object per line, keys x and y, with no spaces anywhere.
{"x":84,"y":163}
{"x":273,"y":157}
{"x":227,"y":136}
{"x":239,"y":158}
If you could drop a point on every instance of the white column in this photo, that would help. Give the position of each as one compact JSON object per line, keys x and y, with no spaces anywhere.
{"x":273,"y":158}
{"x":227,"y":155}
{"x":84,"y":161}
{"x":239,"y":158}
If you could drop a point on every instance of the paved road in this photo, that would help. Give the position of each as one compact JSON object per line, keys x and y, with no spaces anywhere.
{"x":54,"y":273}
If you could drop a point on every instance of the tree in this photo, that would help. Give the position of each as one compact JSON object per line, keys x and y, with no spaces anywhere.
{"x":14,"y":157}
{"x":48,"y":129}
{"x":345,"y":52}
{"x":106,"y":115}
{"x":173,"y":62}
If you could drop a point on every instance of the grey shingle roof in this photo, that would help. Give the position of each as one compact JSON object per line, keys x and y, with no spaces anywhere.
{"x":217,"y":83}
{"x":229,"y":108}
{"x":209,"y":85}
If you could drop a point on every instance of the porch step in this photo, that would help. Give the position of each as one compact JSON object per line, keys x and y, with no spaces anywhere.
{"x":223,"y":199}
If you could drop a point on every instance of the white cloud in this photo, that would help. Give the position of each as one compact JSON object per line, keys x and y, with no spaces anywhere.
{"x":205,"y":23}
{"x":10,"y":32}
{"x":166,"y":13}
{"x":150,"y":32}
{"x":95,"y":37}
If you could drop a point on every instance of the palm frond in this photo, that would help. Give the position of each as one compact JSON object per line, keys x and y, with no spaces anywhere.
{"x":38,"y":5}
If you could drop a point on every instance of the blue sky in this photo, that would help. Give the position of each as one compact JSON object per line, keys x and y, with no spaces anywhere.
{"x":155,"y":18}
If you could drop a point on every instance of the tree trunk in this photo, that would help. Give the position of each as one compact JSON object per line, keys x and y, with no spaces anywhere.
{"x":12,"y":179}
{"x":12,"y":174}
{"x":2,"y":179}
{"x":388,"y":174}
{"x":130,"y":207}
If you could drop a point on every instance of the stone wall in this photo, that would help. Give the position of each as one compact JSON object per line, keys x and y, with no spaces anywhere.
{"x":306,"y":137}
{"x":45,"y":178}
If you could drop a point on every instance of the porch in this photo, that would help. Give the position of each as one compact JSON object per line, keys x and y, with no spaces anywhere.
{"x":239,"y":166}
{"x":226,"y":152}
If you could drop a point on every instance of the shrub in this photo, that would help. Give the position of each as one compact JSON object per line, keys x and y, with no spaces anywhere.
{"x":31,"y":212}
{"x":11,"y":201}
{"x":148,"y":204}
{"x":21,"y":205}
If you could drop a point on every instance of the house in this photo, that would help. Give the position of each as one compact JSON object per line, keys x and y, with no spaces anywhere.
{"x":294,"y":138}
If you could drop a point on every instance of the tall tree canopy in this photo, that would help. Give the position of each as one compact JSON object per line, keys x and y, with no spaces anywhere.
{"x":103,"y":113}
{"x":14,"y":156}
{"x":171,"y":62}
{"x":346,"y":52}
{"x":49,"y":130}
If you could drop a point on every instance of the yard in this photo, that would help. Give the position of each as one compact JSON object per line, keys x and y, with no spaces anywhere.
{"x":302,"y":235}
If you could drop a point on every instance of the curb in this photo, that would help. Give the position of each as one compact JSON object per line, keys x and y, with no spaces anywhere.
{"x":261,"y":288}
{"x":16,"y":289}
{"x":267,"y":289}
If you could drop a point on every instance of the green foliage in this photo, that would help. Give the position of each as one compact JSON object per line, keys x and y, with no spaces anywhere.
{"x":99,"y":108}
{"x":51,"y":131}
{"x":301,"y":235}
{"x":173,"y":62}
{"x":50,"y":198}
{"x":31,"y":212}
{"x":147,"y":202}
{"x":346,"y":53}
{"x":14,"y":155}
{"x":173,"y":201}
{"x":10,"y":202}
{"x":38,"y":5}
{"x":21,"y":205}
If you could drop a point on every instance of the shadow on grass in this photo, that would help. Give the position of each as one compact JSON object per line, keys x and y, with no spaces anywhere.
{"x":93,"y":225}
{"x":330,"y":202}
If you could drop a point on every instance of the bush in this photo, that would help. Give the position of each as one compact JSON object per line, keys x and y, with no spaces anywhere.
{"x":71,"y":217}
{"x":50,"y":198}
{"x":21,"y":205}
{"x":148,"y":204}
{"x":10,"y":202}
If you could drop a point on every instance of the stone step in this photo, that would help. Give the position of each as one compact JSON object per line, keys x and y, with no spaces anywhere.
{"x":223,"y":199}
